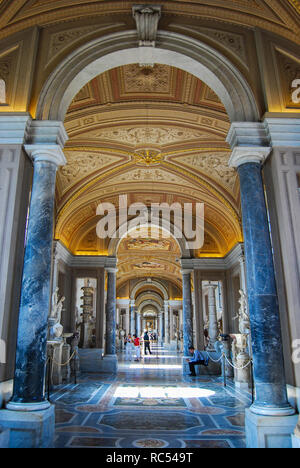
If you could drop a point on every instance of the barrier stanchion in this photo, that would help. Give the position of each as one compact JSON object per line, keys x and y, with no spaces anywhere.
{"x":252,"y":382}
{"x":224,"y":369}
{"x":48,"y":367}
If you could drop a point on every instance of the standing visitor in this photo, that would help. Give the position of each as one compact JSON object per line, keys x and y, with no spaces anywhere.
{"x":136,"y":342}
{"x":147,"y":343}
{"x":129,"y":347}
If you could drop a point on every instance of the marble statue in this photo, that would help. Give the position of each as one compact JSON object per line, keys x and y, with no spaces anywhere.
{"x":57,"y":305}
{"x":55,"y":326}
{"x":243,"y":316}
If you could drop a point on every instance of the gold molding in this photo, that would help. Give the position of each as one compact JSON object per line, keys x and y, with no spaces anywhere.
{"x":295,"y":4}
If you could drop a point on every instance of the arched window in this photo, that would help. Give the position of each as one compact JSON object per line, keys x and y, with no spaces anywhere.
{"x":2,"y":92}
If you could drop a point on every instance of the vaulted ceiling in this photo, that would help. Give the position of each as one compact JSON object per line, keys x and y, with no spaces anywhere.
{"x":156,"y":134}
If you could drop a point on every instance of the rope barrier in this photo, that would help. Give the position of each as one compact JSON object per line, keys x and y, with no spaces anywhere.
{"x":66,"y":363}
{"x":213,"y":359}
{"x":235,"y":367}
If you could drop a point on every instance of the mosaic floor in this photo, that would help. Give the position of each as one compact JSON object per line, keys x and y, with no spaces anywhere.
{"x":150,"y":405}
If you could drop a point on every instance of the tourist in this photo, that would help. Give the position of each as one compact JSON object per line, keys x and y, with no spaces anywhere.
{"x":198,"y":359}
{"x":146,"y":343}
{"x":129,"y":347}
{"x":136,"y":342}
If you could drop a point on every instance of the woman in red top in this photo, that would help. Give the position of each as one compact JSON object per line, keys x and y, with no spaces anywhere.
{"x":136,"y":342}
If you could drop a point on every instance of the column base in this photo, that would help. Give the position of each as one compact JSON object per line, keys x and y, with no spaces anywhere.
{"x":28,"y":407}
{"x":269,"y":431}
{"x":29,"y":429}
{"x":91,"y":361}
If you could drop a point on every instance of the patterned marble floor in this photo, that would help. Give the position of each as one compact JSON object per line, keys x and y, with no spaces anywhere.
{"x":150,"y":405}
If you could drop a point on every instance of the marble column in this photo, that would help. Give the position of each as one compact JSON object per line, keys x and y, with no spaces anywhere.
{"x":243,"y":273}
{"x":171,"y":324}
{"x":213,"y":330}
{"x":110,"y":342}
{"x":29,"y":382}
{"x":55,"y":271}
{"x":167,"y":325}
{"x":139,"y":324}
{"x":132,"y":318}
{"x":269,"y":375}
{"x":127,"y":320}
{"x":118,"y":318}
{"x":160,"y":326}
{"x":187,"y":311}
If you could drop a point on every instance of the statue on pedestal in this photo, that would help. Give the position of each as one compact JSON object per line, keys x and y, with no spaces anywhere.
{"x":243,"y":316}
{"x":55,"y":327}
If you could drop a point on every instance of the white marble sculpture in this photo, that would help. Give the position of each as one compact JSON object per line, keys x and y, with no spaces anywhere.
{"x":243,"y":316}
{"x":55,"y":327}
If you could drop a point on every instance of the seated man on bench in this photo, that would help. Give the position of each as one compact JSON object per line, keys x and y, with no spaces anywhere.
{"x":198,"y":359}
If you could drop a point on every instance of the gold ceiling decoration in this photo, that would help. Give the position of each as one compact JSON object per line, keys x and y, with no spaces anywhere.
{"x":148,"y":157}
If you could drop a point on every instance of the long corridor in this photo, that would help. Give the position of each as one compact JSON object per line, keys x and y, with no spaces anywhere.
{"x":149,"y":404}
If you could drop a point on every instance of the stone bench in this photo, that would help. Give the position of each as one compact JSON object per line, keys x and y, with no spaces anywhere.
{"x":212,"y":368}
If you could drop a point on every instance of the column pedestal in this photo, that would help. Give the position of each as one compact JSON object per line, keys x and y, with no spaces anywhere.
{"x":29,"y":429}
{"x":269,"y":431}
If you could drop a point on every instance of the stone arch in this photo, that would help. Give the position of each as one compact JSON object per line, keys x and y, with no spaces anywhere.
{"x":154,"y":283}
{"x":173,"y":49}
{"x":149,"y":302}
{"x":177,"y":236}
{"x":154,"y":296}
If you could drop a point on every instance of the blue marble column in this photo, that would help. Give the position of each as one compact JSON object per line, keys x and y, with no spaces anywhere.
{"x":132,"y":318}
{"x":187,"y":311}
{"x":110,"y":344}
{"x":270,"y":385}
{"x":139,"y":324}
{"x":29,"y":381}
